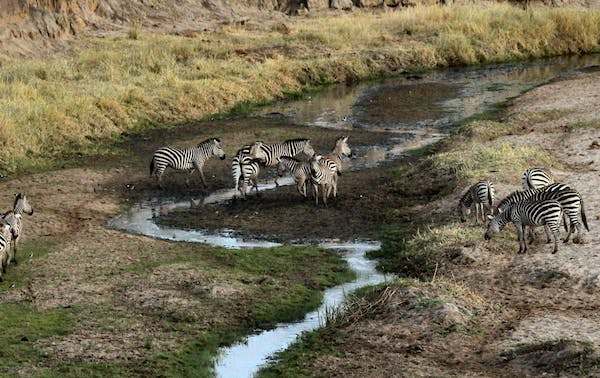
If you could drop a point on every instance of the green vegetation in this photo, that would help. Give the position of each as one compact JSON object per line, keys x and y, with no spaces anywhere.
{"x":110,"y":86}
{"x":22,"y":325}
{"x":273,"y":285}
{"x":29,"y":251}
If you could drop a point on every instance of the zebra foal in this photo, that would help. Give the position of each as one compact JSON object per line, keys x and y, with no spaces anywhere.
{"x":244,"y":171}
{"x":522,"y":214}
{"x":299,"y":170}
{"x":321,"y":177}
{"x":480,"y":194}
{"x":189,"y":159}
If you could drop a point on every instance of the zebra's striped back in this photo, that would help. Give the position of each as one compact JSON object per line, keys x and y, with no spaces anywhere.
{"x":530,"y":213}
{"x":480,"y":192}
{"x":536,"y":178}
{"x":269,"y":154}
{"x":294,"y":166}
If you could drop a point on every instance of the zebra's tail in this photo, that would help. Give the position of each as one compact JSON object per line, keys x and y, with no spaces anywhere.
{"x":152,"y":166}
{"x":490,"y":195}
{"x":583,"y":218}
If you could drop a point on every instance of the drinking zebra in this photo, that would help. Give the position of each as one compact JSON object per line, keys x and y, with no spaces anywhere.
{"x":299,"y":170}
{"x":482,"y":195}
{"x":5,"y":238}
{"x":268,"y":154}
{"x":570,"y":200}
{"x":190,"y":159}
{"x":321,"y":177}
{"x":14,"y":219}
{"x":536,"y":178}
{"x":523,"y":214}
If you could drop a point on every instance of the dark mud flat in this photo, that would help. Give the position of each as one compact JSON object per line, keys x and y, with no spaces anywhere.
{"x":384,"y":119}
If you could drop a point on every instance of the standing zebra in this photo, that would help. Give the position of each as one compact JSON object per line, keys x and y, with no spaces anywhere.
{"x":570,"y":200}
{"x":522,"y":214}
{"x":333,"y":160}
{"x":14,"y":219}
{"x":245,"y":170}
{"x":190,"y":159}
{"x":5,"y":238}
{"x":300,"y":172}
{"x":536,"y":178}
{"x":268,"y":154}
{"x":321,"y":177}
{"x":482,"y":195}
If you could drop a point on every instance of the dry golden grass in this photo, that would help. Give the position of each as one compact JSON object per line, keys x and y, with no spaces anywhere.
{"x":111,"y":85}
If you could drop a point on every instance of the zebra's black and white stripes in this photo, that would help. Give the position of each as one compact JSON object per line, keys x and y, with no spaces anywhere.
{"x":269,"y":154}
{"x":300,"y":171}
{"x":536,"y":178}
{"x":14,"y":218}
{"x":523,"y":214}
{"x":570,"y":200}
{"x":480,"y":194}
{"x":321,"y":178}
{"x":189,"y":159}
{"x":5,"y":239}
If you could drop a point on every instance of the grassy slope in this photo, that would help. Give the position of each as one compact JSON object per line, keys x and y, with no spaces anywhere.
{"x":304,"y":271}
{"x":63,"y":105}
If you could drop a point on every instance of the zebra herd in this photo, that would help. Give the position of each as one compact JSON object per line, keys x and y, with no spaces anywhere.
{"x":542,"y":202}
{"x":11,"y":229}
{"x":294,"y":156}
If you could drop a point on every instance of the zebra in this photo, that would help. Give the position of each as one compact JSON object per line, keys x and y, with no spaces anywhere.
{"x":5,"y":239}
{"x":541,"y":213}
{"x":245,"y":170}
{"x":14,"y":219}
{"x":481,"y":194}
{"x":268,"y":154}
{"x":536,"y":178}
{"x":189,"y":159}
{"x":570,"y":200}
{"x":321,"y":176}
{"x":300,"y":172}
{"x":333,"y":160}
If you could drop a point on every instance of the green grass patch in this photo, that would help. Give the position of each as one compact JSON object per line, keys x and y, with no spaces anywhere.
{"x":22,"y":325}
{"x":29,"y":251}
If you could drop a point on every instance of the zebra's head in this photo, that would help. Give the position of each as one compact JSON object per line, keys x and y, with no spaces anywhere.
{"x":342,"y":147}
{"x":22,"y":205}
{"x":257,"y":152}
{"x":308,"y":150}
{"x":493,"y":227}
{"x":314,"y":164}
{"x":218,"y":149}
{"x":282,"y":166}
{"x":463,"y":211}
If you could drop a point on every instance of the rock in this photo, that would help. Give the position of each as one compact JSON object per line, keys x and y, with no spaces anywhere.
{"x":450,"y":315}
{"x":341,"y":4}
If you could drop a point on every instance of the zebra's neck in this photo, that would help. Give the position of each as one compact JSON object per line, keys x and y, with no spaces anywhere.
{"x":18,"y":210}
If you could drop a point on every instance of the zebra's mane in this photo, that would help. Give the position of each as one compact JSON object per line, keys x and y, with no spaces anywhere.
{"x":18,"y":197}
{"x":291,"y":158}
{"x":209,"y":141}
{"x":296,"y":140}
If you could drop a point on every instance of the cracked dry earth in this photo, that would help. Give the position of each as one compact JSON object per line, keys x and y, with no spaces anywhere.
{"x":527,"y":315}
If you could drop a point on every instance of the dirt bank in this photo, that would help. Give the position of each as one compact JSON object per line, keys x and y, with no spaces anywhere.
{"x":483,"y":310}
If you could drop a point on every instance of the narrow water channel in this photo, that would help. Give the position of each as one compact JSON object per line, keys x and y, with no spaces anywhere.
{"x":418,"y":108}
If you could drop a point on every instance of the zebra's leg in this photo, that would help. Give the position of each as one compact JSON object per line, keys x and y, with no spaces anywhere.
{"x":15,"y":242}
{"x":201,"y":173}
{"x":569,"y":232}
{"x":530,"y":235}
{"x":476,"y":213}
{"x":335,"y":182}
{"x":556,"y":233}
{"x":325,"y":190}
{"x":316,"y":191}
{"x":548,"y":236}
{"x":521,"y":238}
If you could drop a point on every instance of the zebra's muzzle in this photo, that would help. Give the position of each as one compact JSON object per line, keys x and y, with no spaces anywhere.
{"x":222,"y":157}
